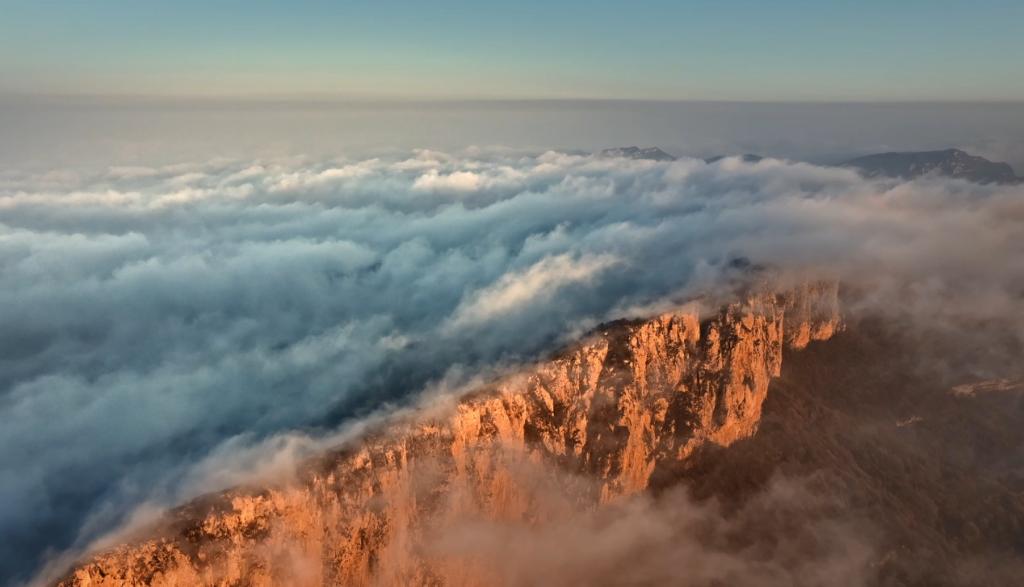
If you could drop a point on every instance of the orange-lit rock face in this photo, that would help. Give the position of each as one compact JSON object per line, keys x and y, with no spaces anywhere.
{"x":586,"y":427}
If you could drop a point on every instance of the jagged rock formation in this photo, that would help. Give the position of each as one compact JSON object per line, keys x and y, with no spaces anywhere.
{"x":633,"y":400}
{"x":949,"y":162}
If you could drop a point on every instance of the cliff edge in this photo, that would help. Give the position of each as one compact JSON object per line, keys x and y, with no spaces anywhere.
{"x":631,"y":400}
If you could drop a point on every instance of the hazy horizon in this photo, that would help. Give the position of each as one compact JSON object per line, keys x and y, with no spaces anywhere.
{"x":68,"y":131}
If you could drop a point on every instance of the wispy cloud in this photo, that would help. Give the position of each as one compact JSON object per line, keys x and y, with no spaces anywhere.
{"x":537,"y":284}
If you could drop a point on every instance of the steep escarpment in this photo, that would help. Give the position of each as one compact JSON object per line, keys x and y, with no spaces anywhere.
{"x":595,"y":422}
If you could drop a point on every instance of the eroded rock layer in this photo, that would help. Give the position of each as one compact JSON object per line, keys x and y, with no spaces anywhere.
{"x":597,"y":422}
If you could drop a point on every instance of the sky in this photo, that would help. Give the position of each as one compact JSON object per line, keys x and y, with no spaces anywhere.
{"x":785,"y":50}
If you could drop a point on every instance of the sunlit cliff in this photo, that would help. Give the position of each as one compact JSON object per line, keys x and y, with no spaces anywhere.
{"x":631,"y":400}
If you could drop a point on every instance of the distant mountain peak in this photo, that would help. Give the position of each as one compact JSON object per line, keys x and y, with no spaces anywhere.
{"x":634,"y":152}
{"x":947,"y":162}
{"x":746,"y":158}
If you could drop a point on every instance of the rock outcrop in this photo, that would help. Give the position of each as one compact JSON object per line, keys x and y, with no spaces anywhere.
{"x":630,"y":401}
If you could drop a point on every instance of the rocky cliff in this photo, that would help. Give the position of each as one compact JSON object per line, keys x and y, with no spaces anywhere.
{"x":632,"y":400}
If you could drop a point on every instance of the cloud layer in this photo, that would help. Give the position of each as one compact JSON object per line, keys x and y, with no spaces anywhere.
{"x":787,"y":534}
{"x":155,"y":316}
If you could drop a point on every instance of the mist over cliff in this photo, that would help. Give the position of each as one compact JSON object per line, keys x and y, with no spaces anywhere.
{"x":159,"y":322}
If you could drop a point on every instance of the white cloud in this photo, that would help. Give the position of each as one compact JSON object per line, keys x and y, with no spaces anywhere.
{"x":459,"y":181}
{"x":270,"y":296}
{"x":536,"y":284}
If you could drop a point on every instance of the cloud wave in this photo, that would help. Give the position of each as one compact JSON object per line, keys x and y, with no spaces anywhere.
{"x":153,"y":316}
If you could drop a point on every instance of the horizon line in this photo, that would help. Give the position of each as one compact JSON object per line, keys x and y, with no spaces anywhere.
{"x":341,"y":99}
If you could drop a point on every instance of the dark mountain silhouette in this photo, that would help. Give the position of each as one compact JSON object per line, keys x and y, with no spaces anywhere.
{"x":949,"y":162}
{"x":650,"y":153}
{"x":903,"y":165}
{"x":746,"y":158}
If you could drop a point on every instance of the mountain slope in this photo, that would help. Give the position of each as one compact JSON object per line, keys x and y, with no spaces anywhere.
{"x":648,"y":153}
{"x":746,"y":158}
{"x":934,"y":469}
{"x":950,"y":163}
{"x":589,"y":426}
{"x":811,"y":454}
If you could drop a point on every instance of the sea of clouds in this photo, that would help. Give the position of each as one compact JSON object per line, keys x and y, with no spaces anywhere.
{"x":155,"y":320}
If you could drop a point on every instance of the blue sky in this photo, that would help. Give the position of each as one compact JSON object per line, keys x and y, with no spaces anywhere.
{"x":697,"y":50}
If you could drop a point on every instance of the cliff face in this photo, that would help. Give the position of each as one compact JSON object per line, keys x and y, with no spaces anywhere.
{"x":596,"y":422}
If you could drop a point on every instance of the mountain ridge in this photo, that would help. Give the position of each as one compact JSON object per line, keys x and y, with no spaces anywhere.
{"x":825,"y":449}
{"x":948,"y":162}
{"x":631,"y":399}
{"x":951,"y":162}
{"x":638,"y":153}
